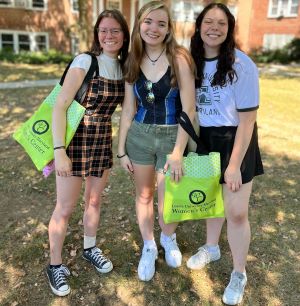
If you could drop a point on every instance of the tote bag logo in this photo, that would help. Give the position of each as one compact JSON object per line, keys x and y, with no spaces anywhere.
{"x":40,"y":127}
{"x":197,"y":197}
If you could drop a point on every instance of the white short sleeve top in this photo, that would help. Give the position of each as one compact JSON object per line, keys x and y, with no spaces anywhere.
{"x":109,"y":68}
{"x":219,"y":106}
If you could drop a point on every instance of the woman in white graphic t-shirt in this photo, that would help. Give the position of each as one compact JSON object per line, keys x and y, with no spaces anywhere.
{"x":227,"y":97}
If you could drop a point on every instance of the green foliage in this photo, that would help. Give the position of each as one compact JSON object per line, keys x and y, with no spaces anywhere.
{"x":293,"y":49}
{"x":50,"y":57}
{"x":289,"y":53}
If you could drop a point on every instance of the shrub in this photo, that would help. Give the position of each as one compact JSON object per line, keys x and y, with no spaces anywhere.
{"x":293,"y":49}
{"x":285,"y":55}
{"x":51,"y":57}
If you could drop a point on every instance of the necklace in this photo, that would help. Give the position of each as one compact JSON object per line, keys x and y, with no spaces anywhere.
{"x":153,"y":62}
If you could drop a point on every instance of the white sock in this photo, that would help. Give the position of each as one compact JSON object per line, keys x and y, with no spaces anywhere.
{"x":212,"y":248}
{"x":244,"y":273}
{"x":89,"y":242}
{"x":150,"y":244}
{"x":165,"y":238}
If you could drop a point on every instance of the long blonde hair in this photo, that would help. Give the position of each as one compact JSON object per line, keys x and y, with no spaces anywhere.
{"x":134,"y":59}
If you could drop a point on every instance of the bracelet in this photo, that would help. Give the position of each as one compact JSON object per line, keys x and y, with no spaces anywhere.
{"x":60,"y":147}
{"x":120,"y":156}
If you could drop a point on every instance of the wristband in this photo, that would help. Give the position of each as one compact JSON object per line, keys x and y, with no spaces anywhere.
{"x":121,"y":156}
{"x":60,"y":147}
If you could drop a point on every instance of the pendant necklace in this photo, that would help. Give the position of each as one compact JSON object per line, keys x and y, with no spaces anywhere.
{"x":153,"y":62}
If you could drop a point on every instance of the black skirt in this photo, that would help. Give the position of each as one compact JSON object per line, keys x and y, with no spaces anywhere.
{"x":221,"y":139}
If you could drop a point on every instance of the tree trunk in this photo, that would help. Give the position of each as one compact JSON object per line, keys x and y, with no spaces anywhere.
{"x":83,"y":26}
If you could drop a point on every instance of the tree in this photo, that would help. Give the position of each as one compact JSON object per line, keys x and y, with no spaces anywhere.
{"x":84,"y":25}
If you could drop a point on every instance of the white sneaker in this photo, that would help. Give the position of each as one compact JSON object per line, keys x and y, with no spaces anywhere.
{"x":172,"y":253}
{"x":234,"y":292}
{"x":146,"y":268}
{"x":203,"y":257}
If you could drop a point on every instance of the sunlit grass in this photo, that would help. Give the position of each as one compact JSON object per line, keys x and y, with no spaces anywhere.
{"x":11,"y":72}
{"x":278,"y":115}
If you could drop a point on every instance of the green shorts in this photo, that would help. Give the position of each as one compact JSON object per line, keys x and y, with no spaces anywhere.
{"x":149,"y":144}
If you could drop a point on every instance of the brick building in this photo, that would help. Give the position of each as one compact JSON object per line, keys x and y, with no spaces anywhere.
{"x":54,"y":24}
{"x":266,"y":24}
{"x":35,"y":25}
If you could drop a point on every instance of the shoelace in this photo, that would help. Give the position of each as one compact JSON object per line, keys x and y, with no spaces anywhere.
{"x":60,"y":274}
{"x":98,"y":257}
{"x":236,"y":283}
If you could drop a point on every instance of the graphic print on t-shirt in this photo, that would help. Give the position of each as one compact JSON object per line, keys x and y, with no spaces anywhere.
{"x":220,"y":105}
{"x":207,"y":96}
{"x":204,"y":98}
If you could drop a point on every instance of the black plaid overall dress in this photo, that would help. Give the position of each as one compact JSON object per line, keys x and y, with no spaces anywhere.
{"x":91,"y":147}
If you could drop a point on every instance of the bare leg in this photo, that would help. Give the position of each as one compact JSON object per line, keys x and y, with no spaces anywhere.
{"x":167,"y":229}
{"x":68,"y":191}
{"x":144,"y":182}
{"x":213,"y":230}
{"x":238,"y":228}
{"x":93,"y":190}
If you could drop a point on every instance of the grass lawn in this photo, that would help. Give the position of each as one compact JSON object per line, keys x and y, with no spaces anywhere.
{"x":27,"y":201}
{"x":11,"y":72}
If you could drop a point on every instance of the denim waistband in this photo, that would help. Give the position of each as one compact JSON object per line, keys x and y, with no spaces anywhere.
{"x":151,"y":128}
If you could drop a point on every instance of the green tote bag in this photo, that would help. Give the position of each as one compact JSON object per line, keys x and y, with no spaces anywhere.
{"x":198,"y":195}
{"x":35,"y":135}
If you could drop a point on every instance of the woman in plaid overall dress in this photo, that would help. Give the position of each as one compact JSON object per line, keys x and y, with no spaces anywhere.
{"x":89,"y":155}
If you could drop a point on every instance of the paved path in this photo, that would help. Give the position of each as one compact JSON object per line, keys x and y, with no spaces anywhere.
{"x":24,"y":84}
{"x":278,"y":70}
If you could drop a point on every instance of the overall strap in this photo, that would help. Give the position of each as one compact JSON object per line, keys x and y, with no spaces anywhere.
{"x":187,"y":125}
{"x":84,"y":86}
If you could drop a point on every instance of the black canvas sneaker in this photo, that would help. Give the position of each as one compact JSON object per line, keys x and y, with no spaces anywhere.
{"x":98,"y":260}
{"x":57,"y":280}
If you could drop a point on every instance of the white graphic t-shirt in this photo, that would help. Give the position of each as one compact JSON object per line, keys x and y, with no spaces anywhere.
{"x":219,"y":106}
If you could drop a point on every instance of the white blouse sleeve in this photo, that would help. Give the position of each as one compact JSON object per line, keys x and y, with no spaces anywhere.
{"x":82,"y":61}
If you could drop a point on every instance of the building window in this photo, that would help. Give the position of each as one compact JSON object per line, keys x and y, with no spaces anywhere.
{"x":38,"y":3}
{"x":6,"y":2}
{"x":40,"y":43}
{"x":276,"y":41}
{"x":283,"y":8}
{"x":23,"y":41}
{"x":75,"y":6}
{"x":7,"y":42}
{"x":186,"y":11}
{"x":27,"y":4}
{"x":113,"y":5}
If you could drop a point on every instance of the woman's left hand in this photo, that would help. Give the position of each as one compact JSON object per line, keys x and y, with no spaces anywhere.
{"x":233,"y":178}
{"x":174,"y":162}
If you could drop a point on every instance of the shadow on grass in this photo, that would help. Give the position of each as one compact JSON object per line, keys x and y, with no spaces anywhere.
{"x":27,"y":201}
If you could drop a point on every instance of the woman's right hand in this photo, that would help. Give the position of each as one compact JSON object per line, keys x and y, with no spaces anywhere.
{"x":126,"y":164}
{"x":63,"y":164}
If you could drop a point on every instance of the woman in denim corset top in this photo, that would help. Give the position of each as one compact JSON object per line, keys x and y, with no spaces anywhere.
{"x":156,"y":91}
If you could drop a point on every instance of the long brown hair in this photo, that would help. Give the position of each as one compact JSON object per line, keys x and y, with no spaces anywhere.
{"x":115,"y":14}
{"x":133,"y":62}
{"x":226,"y":56}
